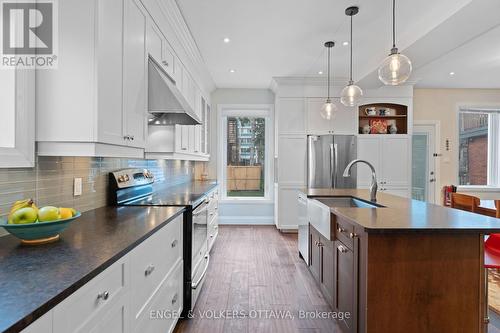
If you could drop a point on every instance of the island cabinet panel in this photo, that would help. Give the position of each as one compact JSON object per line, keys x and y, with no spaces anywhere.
{"x":315,"y":253}
{"x":345,"y":285}
{"x":425,"y":283}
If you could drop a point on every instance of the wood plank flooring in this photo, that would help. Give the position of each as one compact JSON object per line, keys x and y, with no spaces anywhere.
{"x":257,"y":283}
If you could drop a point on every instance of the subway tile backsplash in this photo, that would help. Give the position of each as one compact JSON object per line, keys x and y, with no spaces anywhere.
{"x":50,"y":182}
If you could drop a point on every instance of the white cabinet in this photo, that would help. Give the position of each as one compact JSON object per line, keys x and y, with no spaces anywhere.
{"x":292,"y":154}
{"x":390,"y":155}
{"x":134,"y":74}
{"x":17,"y":111}
{"x":213,"y":218}
{"x":342,"y":122}
{"x":287,"y":208}
{"x":154,"y":41}
{"x":291,"y":116}
{"x":94,"y":104}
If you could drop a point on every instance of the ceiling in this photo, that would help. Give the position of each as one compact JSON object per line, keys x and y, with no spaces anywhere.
{"x":285,"y":38}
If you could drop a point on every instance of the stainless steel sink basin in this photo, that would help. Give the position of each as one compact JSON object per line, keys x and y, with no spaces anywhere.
{"x":347,"y":202}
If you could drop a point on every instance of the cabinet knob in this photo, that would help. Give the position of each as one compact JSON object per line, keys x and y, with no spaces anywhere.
{"x":103,"y":296}
{"x":174,"y":243}
{"x":211,"y":236}
{"x":340,"y":229}
{"x":342,"y":249}
{"x":320,"y":244}
{"x":174,"y":299}
{"x":132,"y":137}
{"x":165,"y":62}
{"x":149,"y":270}
{"x":353,"y":235}
{"x":126,"y":137}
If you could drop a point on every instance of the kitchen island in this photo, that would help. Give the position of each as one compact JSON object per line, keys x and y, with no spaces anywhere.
{"x":405,"y":266}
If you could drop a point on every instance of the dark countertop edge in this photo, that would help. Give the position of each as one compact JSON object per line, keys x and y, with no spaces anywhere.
{"x":47,"y":306}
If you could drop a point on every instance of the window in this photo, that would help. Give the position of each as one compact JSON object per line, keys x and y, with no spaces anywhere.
{"x":478,"y":151}
{"x":245,"y":154}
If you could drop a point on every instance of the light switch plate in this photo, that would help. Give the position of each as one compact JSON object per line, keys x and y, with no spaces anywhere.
{"x":77,"y":187}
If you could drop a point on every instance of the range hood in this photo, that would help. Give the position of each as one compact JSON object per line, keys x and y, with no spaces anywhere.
{"x":166,"y":104}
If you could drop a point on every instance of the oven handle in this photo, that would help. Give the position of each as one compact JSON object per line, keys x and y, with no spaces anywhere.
{"x":196,"y":284}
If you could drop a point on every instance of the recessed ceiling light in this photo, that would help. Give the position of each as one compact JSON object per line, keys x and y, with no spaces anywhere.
{"x":452,"y":73}
{"x":226,"y":40}
{"x":320,"y":72}
{"x":345,"y":43}
{"x":232,"y":71}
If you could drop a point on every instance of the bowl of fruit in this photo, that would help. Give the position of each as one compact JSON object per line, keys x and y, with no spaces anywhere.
{"x":35,"y":226}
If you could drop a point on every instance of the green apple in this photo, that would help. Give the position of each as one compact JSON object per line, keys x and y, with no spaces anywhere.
{"x":23,"y":216}
{"x":48,"y":213}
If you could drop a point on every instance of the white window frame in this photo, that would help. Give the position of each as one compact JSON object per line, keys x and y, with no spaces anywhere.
{"x":493,"y":176}
{"x":265,"y":111}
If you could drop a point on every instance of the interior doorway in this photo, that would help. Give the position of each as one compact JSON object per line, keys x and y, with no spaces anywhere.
{"x":424,"y":161}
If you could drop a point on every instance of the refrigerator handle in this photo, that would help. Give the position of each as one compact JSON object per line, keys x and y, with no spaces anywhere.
{"x":336,"y":161}
{"x":332,"y":170}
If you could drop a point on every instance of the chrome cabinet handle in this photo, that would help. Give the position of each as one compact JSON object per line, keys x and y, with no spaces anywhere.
{"x":165,"y":62}
{"x":340,"y":229}
{"x":342,"y":249}
{"x":103,"y":296}
{"x":126,"y":137}
{"x":353,"y":235}
{"x":174,"y":299}
{"x":174,"y":243}
{"x":149,"y":270}
{"x":211,"y":236}
{"x":320,"y":244}
{"x":132,"y":137}
{"x":197,"y":283}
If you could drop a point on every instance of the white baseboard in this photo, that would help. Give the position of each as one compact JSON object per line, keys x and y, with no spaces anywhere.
{"x":247,"y":220}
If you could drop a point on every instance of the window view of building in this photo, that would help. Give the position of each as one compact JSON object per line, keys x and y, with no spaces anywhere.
{"x":473,"y":149}
{"x":245,"y":156}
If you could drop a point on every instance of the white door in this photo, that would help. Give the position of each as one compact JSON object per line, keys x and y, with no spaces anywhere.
{"x":109,"y":73}
{"x":424,"y":154}
{"x":134,"y":81}
{"x":368,"y":150}
{"x":292,"y":154}
{"x":395,"y":162}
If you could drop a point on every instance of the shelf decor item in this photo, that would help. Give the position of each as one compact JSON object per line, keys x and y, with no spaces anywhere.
{"x":328,"y":108}
{"x":371,"y":111}
{"x":393,"y":129}
{"x":396,"y":68}
{"x":378,"y":126}
{"x":351,"y":94}
{"x":366,"y":129}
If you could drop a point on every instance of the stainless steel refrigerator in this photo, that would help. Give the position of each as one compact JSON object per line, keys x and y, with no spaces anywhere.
{"x":327,"y":157}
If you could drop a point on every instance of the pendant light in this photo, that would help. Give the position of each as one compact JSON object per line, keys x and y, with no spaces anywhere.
{"x":351,"y":94}
{"x":328,"y":108}
{"x":396,"y":68}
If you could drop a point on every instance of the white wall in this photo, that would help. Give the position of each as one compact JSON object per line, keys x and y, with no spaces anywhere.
{"x":234,"y":212}
{"x":442,"y":105}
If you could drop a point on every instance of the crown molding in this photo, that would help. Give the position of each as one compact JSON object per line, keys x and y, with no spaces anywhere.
{"x":181,"y":30}
{"x":306,"y":81}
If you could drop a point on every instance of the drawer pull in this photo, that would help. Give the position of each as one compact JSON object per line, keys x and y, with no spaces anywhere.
{"x":340,"y":229}
{"x":342,"y":249}
{"x":211,"y":236}
{"x":174,"y":243}
{"x":103,"y":296}
{"x":216,"y":227}
{"x":320,"y":244}
{"x":149,"y":270}
{"x":174,"y":299}
{"x":353,"y":235}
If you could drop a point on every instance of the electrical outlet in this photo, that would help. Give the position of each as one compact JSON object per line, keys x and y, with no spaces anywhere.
{"x":77,"y":187}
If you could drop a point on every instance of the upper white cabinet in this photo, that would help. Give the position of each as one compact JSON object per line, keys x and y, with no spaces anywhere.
{"x":291,"y":116}
{"x":390,"y":155}
{"x":94,"y":104}
{"x":342,"y":122}
{"x":17,"y":111}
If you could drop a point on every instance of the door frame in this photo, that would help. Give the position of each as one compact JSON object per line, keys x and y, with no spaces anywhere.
{"x":436,"y":125}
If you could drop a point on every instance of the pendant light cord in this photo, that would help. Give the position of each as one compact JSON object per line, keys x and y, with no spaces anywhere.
{"x":329,"y":73}
{"x":393,"y":23}
{"x":350,"y":65}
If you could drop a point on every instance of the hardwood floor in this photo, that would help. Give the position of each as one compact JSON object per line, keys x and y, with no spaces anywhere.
{"x":257,"y":283}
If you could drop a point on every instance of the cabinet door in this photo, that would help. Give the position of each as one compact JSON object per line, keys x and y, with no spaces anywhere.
{"x":369,"y":150}
{"x":114,"y":321}
{"x":346,"y":282}
{"x":344,"y":120}
{"x":177,"y":72}
{"x":109,"y":72}
{"x":315,"y":123}
{"x":314,"y":253}
{"x":328,"y":270}
{"x":191,"y":139}
{"x":154,"y":42}
{"x":197,"y":139}
{"x":167,"y":59}
{"x":287,"y":208}
{"x":395,"y":161}
{"x":134,"y":70}
{"x":41,"y":325}
{"x":291,"y":116}
{"x":292,"y":154}
{"x":184,"y":138}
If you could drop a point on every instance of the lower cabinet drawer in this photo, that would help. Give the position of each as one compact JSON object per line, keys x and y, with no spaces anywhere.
{"x":78,"y":311}
{"x":152,"y":261}
{"x":213,"y":231}
{"x":164,"y":309}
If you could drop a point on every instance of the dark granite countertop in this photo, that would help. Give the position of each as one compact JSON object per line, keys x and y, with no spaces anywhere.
{"x":33,"y":279}
{"x":188,"y":194}
{"x":404,"y":215}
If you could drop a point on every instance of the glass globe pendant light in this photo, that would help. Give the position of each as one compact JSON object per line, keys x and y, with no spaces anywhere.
{"x":396,"y":68}
{"x":351,"y":94}
{"x":328,"y":108}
